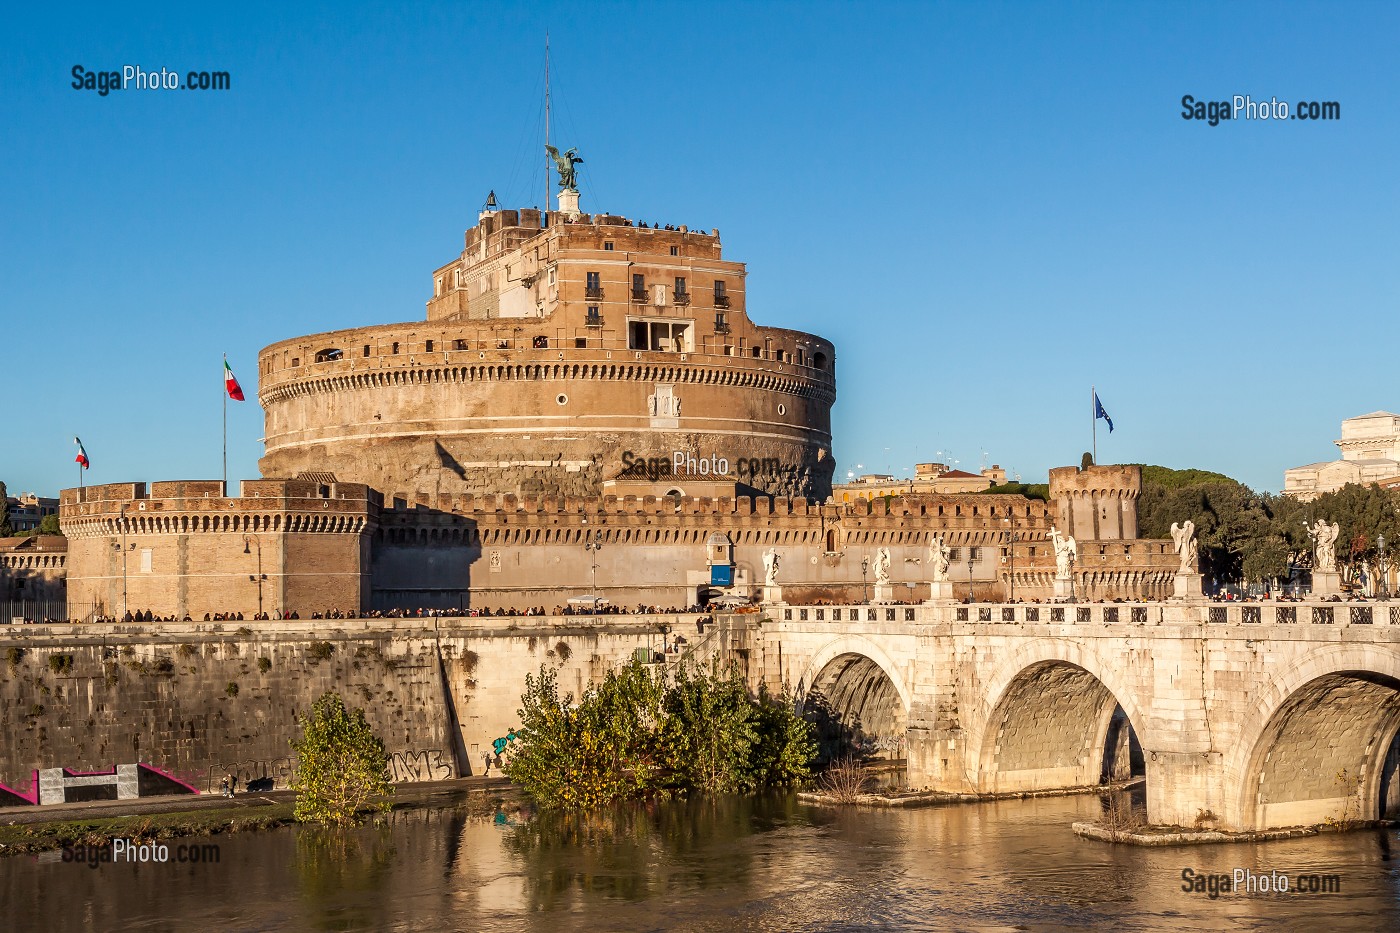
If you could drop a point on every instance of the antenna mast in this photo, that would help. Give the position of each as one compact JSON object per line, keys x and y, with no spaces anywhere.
{"x":546,"y":122}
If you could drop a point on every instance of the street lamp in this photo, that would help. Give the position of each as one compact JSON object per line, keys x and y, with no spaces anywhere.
{"x":1385,"y":577}
{"x":261,"y":576}
{"x":121,"y":516}
{"x":969,"y":573}
{"x":864,"y":589}
{"x":1011,"y":550}
{"x":1072,"y":597}
{"x":593,"y":545}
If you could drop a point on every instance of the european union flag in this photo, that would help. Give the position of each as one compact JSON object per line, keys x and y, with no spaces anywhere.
{"x":1100,"y":413}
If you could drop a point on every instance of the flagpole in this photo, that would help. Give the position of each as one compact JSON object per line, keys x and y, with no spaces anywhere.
{"x":224,"y":392}
{"x":1094,"y":414}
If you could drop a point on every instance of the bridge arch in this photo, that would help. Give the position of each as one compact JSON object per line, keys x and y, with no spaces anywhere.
{"x":1055,"y":715}
{"x":860,"y":688}
{"x":1321,"y":741}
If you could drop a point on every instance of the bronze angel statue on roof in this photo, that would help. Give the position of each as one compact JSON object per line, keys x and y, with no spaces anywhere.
{"x":568,"y":175}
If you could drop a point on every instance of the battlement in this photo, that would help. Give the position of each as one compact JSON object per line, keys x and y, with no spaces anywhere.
{"x":1097,"y":502}
{"x":498,"y":232}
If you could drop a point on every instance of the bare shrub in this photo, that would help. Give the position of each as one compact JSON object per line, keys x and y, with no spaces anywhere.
{"x":844,"y":780}
{"x":1120,"y":818}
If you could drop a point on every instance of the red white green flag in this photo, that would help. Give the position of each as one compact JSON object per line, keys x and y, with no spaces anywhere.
{"x":235,"y":391}
{"x":82,"y":454}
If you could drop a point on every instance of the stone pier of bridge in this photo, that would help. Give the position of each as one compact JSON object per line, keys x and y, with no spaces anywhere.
{"x":1239,"y":716}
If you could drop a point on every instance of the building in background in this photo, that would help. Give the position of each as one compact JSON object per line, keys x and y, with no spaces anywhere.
{"x":27,"y":510}
{"x":1370,"y":446}
{"x":929,"y":479}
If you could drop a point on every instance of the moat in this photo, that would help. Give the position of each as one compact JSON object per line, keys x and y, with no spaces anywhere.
{"x":769,"y":863}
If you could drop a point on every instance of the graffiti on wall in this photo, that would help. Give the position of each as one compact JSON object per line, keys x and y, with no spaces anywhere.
{"x":262,"y":774}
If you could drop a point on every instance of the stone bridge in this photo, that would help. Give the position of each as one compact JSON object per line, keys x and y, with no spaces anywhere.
{"x":1241,"y":716}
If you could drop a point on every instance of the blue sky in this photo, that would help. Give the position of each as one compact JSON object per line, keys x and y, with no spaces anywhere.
{"x":988,"y":208}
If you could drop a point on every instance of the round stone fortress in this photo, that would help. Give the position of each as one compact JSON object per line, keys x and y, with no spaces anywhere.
{"x":562,"y":353}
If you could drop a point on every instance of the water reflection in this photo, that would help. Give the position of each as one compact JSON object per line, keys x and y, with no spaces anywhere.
{"x":710,"y":864}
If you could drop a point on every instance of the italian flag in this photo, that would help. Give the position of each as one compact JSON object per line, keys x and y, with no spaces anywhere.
{"x":82,"y":454}
{"x":235,"y":391}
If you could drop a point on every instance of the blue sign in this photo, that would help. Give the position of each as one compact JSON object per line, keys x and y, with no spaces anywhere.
{"x":721,"y":575}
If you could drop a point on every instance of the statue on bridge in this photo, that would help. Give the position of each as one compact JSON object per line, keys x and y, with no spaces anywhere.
{"x":770,"y":567}
{"x":882,"y":567}
{"x":1184,"y":538}
{"x":1065,"y":554}
{"x":1325,"y":542}
{"x":938,"y":560}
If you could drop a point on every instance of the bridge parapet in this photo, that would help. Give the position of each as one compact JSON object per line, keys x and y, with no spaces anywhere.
{"x":1264,"y":614}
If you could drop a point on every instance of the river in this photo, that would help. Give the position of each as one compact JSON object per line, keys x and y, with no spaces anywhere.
{"x":762,"y":864}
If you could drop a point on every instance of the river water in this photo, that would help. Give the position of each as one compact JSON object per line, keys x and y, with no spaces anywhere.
{"x":764,"y":864}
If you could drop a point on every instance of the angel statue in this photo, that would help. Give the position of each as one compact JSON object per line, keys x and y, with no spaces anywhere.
{"x":565,"y":164}
{"x":882,"y":566}
{"x":1065,"y":554}
{"x":1184,"y":539}
{"x":770,"y":567}
{"x":1325,"y":538}
{"x":938,"y":560}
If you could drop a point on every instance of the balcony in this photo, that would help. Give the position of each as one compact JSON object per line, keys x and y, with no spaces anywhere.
{"x":640,"y":294}
{"x":593,"y":320}
{"x":721,"y":301}
{"x":593,"y":291}
{"x":682,"y":298}
{"x":721,"y":327}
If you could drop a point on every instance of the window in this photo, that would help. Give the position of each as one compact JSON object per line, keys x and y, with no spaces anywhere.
{"x":296,"y":361}
{"x":680,"y":285}
{"x":608,"y":246}
{"x":639,"y":287}
{"x":974,"y":553}
{"x":396,"y":346}
{"x":366,"y":349}
{"x":675,"y":251}
{"x":428,"y":347}
{"x":594,"y":319}
{"x":954,"y":554}
{"x":459,"y":344}
{"x":721,"y":296}
{"x":595,"y":285}
{"x":659,"y":336}
{"x":540,"y":342}
{"x":580,"y":343}
{"x":721,"y":322}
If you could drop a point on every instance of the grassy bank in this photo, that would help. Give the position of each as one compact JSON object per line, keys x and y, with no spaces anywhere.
{"x":39,"y":835}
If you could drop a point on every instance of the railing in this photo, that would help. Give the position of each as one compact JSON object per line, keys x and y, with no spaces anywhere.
{"x":593,"y":292}
{"x":593,"y":320}
{"x":721,"y":328}
{"x":681,"y":298}
{"x":640,"y":294}
{"x":1158,"y":613}
{"x":721,"y":301}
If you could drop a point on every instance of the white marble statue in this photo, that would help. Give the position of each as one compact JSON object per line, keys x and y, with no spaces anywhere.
{"x":1065,"y":554}
{"x":882,"y":567}
{"x":770,"y":567}
{"x":1184,"y":538}
{"x":938,"y":560}
{"x":1325,"y":545}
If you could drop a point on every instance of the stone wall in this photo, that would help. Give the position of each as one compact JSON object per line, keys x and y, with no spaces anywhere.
{"x":204,"y":700}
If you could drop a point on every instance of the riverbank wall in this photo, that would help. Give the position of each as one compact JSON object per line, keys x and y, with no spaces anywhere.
{"x":205,"y":700}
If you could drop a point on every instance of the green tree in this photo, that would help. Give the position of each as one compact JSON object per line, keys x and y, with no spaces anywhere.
{"x":6,"y":529}
{"x":341,"y":765}
{"x":49,"y":525}
{"x":638,"y":734}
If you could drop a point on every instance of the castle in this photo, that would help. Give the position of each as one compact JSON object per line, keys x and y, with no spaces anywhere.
{"x":586,"y":409}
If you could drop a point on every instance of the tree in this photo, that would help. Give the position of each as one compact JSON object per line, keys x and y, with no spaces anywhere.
{"x":49,"y":525}
{"x":341,"y":765}
{"x":638,"y":735}
{"x":6,"y":530}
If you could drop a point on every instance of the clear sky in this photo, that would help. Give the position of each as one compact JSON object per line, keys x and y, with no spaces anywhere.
{"x":987,"y":207}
